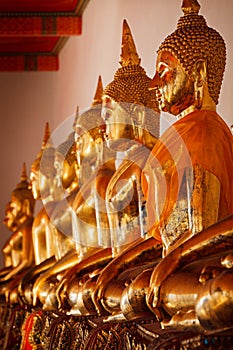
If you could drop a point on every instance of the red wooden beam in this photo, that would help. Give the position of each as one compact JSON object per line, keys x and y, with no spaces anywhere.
{"x":20,"y":63}
{"x":37,"y":25}
{"x":38,"y":5}
{"x":29,"y":45}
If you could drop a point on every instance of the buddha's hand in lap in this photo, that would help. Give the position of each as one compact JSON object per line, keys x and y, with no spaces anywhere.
{"x":163,"y":270}
{"x":106,"y":276}
{"x":61,"y":292}
{"x":39,"y":283}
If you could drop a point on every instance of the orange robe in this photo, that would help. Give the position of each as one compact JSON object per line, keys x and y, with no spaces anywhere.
{"x":201,"y":138}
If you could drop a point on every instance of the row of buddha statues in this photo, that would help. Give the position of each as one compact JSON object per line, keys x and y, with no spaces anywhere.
{"x":134,"y":224}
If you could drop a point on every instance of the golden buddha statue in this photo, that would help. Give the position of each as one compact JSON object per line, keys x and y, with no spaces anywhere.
{"x":132,"y":120}
{"x":67,"y":174}
{"x":60,"y":224}
{"x":131,"y":115}
{"x":18,"y":249}
{"x":188,"y":187}
{"x":46,"y":188}
{"x":97,"y":164}
{"x":7,"y":249}
{"x":89,"y":128}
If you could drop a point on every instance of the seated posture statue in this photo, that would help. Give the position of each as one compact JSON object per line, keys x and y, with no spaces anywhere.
{"x":95,"y":227}
{"x":60,"y":223}
{"x":96,"y":166}
{"x":187,"y":182}
{"x":131,"y":115}
{"x":76,"y":215}
{"x":45,"y":187}
{"x":18,"y":249}
{"x":65,"y":162}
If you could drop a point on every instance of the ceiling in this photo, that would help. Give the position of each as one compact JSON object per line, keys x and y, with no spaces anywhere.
{"x":33,"y":32}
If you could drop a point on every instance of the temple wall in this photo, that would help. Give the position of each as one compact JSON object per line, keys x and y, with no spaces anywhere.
{"x":29,"y":99}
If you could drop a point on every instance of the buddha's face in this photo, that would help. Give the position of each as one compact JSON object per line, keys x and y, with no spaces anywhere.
{"x":85,"y":144}
{"x":58,"y":165}
{"x":13,"y":214}
{"x":65,"y":173}
{"x":119,"y":128}
{"x":35,"y":184}
{"x":41,"y":185}
{"x":175,"y":88}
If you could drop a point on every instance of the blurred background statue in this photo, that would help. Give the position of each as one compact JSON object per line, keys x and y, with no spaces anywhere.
{"x":60,"y":224}
{"x":76,"y":215}
{"x":45,"y":188}
{"x":18,"y":250}
{"x":90,"y":225}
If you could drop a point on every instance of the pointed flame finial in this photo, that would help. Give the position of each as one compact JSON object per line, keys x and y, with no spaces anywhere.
{"x":24,"y":173}
{"x":75,"y":117}
{"x":77,"y":112}
{"x":190,"y":6}
{"x":46,"y":135}
{"x":99,"y":92}
{"x":23,"y":184}
{"x":129,"y":54}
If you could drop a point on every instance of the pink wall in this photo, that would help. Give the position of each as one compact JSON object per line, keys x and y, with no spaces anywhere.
{"x":28,"y":100}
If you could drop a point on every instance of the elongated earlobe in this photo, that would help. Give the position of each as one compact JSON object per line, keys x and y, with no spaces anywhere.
{"x":199,"y":82}
{"x":26,"y":207}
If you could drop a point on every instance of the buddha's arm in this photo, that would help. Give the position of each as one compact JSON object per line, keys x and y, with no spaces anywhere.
{"x":50,"y":240}
{"x":15,"y":248}
{"x":4,"y":271}
{"x":84,"y":203}
{"x":40,"y":223}
{"x":87,"y":265}
{"x":140,"y":251}
{"x":7,"y":253}
{"x":33,"y":272}
{"x":198,"y":198}
{"x":215,"y":240}
{"x":203,"y":206}
{"x":27,"y":252}
{"x":69,"y":260}
{"x":205,"y":199}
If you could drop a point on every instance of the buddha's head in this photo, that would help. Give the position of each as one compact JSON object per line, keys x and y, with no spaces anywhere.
{"x":127,"y":97}
{"x":65,"y":163}
{"x":89,"y":130}
{"x":190,"y":64}
{"x":42,"y":176}
{"x":21,"y":204}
